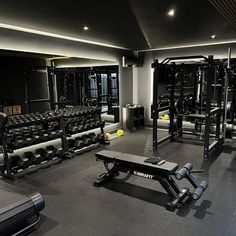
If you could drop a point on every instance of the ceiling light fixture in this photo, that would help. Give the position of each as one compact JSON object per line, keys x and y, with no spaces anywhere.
{"x":86,"y":28}
{"x":213,"y":36}
{"x":171,"y":12}
{"x":58,"y":36}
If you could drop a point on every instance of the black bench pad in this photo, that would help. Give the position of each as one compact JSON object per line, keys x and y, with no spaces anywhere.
{"x":136,"y":161}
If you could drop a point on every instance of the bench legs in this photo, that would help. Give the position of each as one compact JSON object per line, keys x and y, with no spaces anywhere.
{"x":104,"y":177}
{"x":174,"y":192}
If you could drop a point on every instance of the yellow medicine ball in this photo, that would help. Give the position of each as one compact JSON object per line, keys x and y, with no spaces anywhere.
{"x":108,"y":136}
{"x":120,"y":132}
{"x":166,"y":117}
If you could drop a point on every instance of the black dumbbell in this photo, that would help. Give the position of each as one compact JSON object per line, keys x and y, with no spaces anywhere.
{"x":23,"y":163}
{"x":19,"y":143}
{"x":86,"y":126}
{"x":59,"y":152}
{"x":10,"y":138}
{"x":28,"y":141}
{"x":56,"y":151}
{"x":79,"y":143}
{"x":44,"y":136}
{"x":87,"y":141}
{"x":34,"y":159}
{"x":46,"y":154}
{"x":36,"y":138}
{"x":14,"y":160}
{"x":71,"y":143}
{"x":93,"y":138}
{"x":97,"y":123}
{"x":59,"y":133}
{"x":92,"y":125}
{"x":80,"y":128}
{"x":53,"y":134}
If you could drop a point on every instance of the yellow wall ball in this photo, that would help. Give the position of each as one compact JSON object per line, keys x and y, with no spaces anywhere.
{"x":120,"y":132}
{"x":108,"y":136}
{"x":166,"y":117}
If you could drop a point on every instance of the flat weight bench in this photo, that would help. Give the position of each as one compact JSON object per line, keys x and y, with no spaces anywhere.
{"x":161,"y":171}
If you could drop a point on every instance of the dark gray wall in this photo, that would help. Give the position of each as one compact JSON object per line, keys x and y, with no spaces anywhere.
{"x":145,"y":73}
{"x":13,"y":82}
{"x":126,"y":85}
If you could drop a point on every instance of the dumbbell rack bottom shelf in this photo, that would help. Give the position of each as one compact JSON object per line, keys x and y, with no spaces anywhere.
{"x":82,"y":150}
{"x":21,"y":172}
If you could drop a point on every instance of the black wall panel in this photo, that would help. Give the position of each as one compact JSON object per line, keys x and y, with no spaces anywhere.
{"x":12,"y":86}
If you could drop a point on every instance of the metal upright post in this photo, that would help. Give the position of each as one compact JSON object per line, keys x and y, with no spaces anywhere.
{"x":181,"y":102}
{"x":155,"y":65}
{"x":226,"y":85}
{"x":27,"y":100}
{"x":209,"y":78}
{"x":172,"y":100}
{"x":195,"y":87}
{"x":219,"y":103}
{"x":51,"y":88}
{"x":75,"y":89}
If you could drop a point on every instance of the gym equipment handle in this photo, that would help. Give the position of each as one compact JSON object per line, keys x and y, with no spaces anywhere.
{"x":199,"y":191}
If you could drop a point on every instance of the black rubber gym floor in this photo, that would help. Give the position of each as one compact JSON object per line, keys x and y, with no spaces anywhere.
{"x":136,"y":207}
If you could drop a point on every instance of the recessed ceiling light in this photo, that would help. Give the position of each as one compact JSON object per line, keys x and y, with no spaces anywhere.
{"x":86,"y":28}
{"x":171,"y":12}
{"x":213,"y":36}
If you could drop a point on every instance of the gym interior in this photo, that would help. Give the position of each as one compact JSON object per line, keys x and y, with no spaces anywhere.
{"x":118,"y":117}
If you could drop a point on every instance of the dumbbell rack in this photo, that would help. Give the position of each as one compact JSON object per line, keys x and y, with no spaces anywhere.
{"x":14,"y":172}
{"x":67,"y":121}
{"x":68,"y":141}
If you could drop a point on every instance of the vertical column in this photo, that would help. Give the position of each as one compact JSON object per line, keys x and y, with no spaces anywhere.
{"x":209,"y":79}
{"x":27,"y":99}
{"x":75,"y":89}
{"x":181,"y":101}
{"x":219,"y":101}
{"x":135,"y":85}
{"x":155,"y":65}
{"x":172,"y":100}
{"x":51,"y":88}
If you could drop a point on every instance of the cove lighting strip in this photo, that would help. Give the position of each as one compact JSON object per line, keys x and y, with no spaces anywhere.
{"x":188,"y":46}
{"x":58,"y":36}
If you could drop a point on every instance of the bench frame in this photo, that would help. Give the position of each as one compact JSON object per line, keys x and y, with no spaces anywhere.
{"x":176,"y":194}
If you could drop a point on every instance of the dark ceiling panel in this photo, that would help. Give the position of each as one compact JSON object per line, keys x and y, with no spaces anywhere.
{"x":134,"y":24}
{"x":9,"y":53}
{"x":109,"y":21}
{"x":227,"y":8}
{"x":193,"y":23}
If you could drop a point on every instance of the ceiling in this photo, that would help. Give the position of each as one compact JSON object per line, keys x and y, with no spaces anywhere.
{"x":133,"y":24}
{"x":9,"y":53}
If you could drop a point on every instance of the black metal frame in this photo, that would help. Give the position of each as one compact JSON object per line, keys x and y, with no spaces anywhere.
{"x":153,"y":172}
{"x":175,"y":127}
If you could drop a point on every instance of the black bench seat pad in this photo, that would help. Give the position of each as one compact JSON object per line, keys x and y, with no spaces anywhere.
{"x":135,"y":160}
